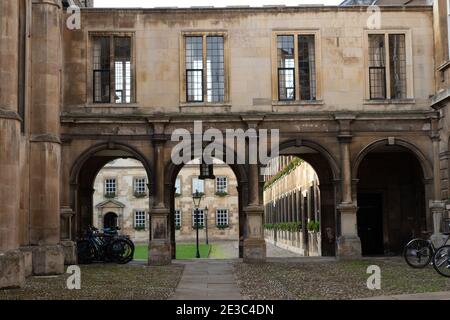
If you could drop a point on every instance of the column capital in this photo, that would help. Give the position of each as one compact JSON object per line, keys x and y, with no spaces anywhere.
{"x":345,"y":138}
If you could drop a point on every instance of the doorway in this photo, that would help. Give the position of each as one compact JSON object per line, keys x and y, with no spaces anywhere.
{"x":110,"y":220}
{"x":370,"y":223}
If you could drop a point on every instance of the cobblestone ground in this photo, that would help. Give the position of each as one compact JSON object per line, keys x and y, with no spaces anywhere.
{"x":104,"y":282}
{"x":333,"y":280}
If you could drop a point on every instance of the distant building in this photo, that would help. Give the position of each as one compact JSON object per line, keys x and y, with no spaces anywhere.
{"x":122,"y":199}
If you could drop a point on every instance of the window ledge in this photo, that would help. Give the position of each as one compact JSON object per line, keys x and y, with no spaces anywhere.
{"x":444,"y":66}
{"x":392,"y":101}
{"x":204,"y":105}
{"x":297,"y":103}
{"x":112,"y":105}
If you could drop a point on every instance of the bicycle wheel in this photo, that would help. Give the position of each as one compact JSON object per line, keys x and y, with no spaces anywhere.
{"x":121,"y":251}
{"x":85,"y":252}
{"x":441,"y":261}
{"x":418,"y":253}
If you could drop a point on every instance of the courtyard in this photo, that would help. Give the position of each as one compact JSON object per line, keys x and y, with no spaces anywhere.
{"x":281,"y":278}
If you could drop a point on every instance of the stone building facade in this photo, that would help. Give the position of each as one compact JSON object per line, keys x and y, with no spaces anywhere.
{"x":352,"y":102}
{"x":121,"y":199}
{"x":292,"y":206}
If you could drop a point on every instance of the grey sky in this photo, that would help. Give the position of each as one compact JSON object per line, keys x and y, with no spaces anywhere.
{"x":216,"y":3}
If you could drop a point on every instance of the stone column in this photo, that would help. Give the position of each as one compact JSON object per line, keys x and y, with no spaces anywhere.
{"x":12,"y":272}
{"x":45,"y":144}
{"x":348,"y":242}
{"x":160,"y":252}
{"x":437,"y":206}
{"x":254,"y":243}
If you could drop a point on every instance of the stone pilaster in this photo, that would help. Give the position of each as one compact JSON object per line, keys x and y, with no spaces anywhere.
{"x":45,"y":145}
{"x":160,"y":251}
{"x":348,"y":243}
{"x":12,"y":270}
{"x":254,"y":243}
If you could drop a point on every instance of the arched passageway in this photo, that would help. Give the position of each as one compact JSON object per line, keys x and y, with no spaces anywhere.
{"x":221,"y":211}
{"x":83,"y":176}
{"x":307,"y":202}
{"x":391,"y":198}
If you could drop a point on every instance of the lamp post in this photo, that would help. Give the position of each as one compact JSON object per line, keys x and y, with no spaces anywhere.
{"x":197,"y":197}
{"x":206,"y":223}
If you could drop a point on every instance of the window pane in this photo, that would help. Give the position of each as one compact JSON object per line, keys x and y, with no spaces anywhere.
{"x":101,"y":69}
{"x":140,"y":186}
{"x":139,"y":219}
{"x":221,"y":184}
{"x":397,"y":60}
{"x":216,"y":70}
{"x":377,"y":66}
{"x":222,"y":217}
{"x":110,"y":186}
{"x":201,"y":218}
{"x":307,"y":67}
{"x":122,"y":62}
{"x":198,"y":185}
{"x":194,"y":68}
{"x":178,"y":186}
{"x":178,"y":218}
{"x":286,"y":67}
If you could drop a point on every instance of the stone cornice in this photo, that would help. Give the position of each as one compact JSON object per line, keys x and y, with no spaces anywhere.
{"x":264,"y":9}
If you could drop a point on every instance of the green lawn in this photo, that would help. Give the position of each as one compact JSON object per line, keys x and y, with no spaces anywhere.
{"x":184,"y":251}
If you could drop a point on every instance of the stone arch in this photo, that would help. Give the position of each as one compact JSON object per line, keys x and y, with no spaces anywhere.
{"x":91,"y":151}
{"x":171,"y":172}
{"x":81,"y":185}
{"x":391,"y":189}
{"x":328,"y":171}
{"x":424,"y":162}
{"x":333,"y":164}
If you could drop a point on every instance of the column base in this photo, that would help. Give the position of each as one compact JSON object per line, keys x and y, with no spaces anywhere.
{"x":159,"y":254}
{"x":47,"y":260}
{"x":254,"y":251}
{"x":28,"y":261}
{"x":349,"y":247}
{"x":70,"y":252}
{"x":12,"y":270}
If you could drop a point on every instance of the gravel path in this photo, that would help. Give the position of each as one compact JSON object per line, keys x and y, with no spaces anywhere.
{"x":104,"y":282}
{"x":333,"y":280}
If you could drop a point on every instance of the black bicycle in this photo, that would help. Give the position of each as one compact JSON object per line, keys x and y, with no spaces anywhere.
{"x":419,"y":253}
{"x":106,"y":246}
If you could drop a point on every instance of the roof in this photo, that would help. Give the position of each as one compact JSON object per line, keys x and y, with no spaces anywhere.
{"x":387,"y":2}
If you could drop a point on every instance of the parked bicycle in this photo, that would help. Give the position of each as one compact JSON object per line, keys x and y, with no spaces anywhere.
{"x":106,"y":246}
{"x":419,"y":253}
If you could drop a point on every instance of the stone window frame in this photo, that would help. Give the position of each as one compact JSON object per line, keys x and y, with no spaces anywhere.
{"x":226,"y":53}
{"x":135,"y":178}
{"x":226,"y":184}
{"x":135,"y":213}
{"x":90,"y":63}
{"x":409,"y":66}
{"x":274,"y":57}
{"x":225,"y":211}
{"x":116,"y":185}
